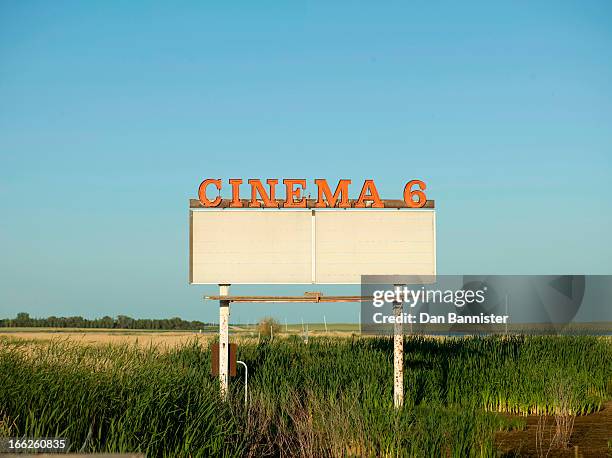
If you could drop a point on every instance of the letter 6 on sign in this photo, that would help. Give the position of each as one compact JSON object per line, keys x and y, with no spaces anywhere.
{"x":409,"y":194}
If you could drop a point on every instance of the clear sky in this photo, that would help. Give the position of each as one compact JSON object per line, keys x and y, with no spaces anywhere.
{"x":111,"y":113}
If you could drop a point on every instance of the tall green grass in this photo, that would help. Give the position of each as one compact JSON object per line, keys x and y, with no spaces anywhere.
{"x":494,"y":373}
{"x":332,"y":397}
{"x":116,"y":399}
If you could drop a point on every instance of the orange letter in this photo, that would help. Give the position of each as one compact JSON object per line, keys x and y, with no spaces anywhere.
{"x":257,"y":187}
{"x":330,"y":201}
{"x":408,"y":193}
{"x":236,"y":202}
{"x":202,"y":193}
{"x":368,"y":185}
{"x":292,"y":193}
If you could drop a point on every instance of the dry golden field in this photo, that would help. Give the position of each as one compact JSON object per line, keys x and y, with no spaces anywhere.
{"x":109,"y":336}
{"x":143,"y":338}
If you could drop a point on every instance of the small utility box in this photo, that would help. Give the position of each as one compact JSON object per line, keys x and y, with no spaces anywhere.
{"x":215,"y":359}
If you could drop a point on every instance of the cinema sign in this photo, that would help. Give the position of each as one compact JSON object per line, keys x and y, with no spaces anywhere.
{"x":329,"y":239}
{"x":295,"y":190}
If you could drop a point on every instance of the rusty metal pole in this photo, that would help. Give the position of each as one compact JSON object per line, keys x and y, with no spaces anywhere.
{"x":224,"y":314}
{"x":398,"y":355}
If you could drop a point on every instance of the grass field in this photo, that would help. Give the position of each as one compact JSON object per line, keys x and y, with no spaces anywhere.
{"x":331,"y":397}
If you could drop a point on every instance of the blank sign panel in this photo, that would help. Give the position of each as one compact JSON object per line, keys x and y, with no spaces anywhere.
{"x":354,"y":243}
{"x":304,"y":246}
{"x":252,"y":246}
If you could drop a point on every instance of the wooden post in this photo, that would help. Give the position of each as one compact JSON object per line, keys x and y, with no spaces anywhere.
{"x":224,"y":314}
{"x":398,"y":356}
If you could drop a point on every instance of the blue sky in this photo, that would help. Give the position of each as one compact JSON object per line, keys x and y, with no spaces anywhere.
{"x":112,"y":113}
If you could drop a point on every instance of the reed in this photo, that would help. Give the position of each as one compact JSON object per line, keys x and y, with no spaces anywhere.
{"x":332,"y":397}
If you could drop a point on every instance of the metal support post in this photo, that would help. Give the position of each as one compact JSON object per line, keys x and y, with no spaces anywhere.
{"x":398,"y":355}
{"x":224,"y":314}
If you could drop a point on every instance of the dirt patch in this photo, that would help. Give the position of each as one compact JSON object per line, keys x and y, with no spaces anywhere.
{"x":589,"y":438}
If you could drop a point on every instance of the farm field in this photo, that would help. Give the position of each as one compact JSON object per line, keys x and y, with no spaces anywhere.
{"x":105,"y":336}
{"x":164,"y":338}
{"x":480,"y":396}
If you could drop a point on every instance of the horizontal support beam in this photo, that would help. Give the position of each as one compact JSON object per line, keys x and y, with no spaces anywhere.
{"x":310,"y":203}
{"x":299,"y":299}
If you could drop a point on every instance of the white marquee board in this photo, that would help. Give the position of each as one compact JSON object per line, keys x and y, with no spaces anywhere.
{"x":269,"y":246}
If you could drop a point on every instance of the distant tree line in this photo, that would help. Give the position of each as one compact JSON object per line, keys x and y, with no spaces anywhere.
{"x":120,"y":322}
